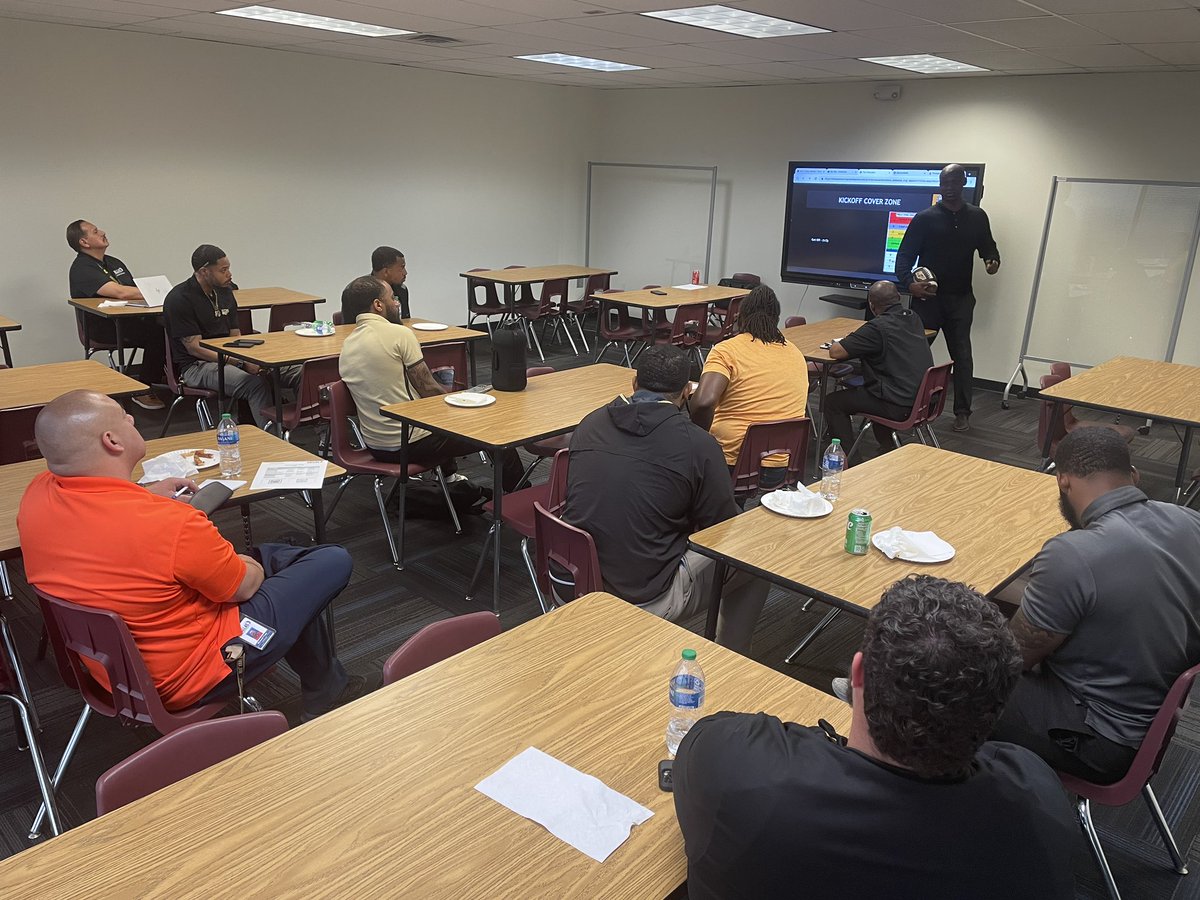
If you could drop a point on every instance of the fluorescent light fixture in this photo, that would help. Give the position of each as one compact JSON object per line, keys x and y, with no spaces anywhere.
{"x":287,"y":17}
{"x":923,"y":63}
{"x":735,"y":21}
{"x":580,"y":62}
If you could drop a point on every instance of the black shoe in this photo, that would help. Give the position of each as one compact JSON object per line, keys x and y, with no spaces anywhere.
{"x":962,"y":422}
{"x":356,"y":686}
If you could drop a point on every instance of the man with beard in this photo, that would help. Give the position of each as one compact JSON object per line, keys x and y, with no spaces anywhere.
{"x":1110,"y":617}
{"x":387,"y":264}
{"x":381,"y":364}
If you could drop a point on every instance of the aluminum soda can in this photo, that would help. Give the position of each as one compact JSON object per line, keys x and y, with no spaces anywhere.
{"x":695,"y":276}
{"x":858,"y":532}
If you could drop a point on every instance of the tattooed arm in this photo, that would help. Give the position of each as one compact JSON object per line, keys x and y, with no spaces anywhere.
{"x":1036,"y":643}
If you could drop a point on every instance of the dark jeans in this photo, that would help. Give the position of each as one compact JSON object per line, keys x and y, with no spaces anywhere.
{"x":953,"y":315}
{"x":840,"y":405}
{"x":1044,"y":716}
{"x":443,"y":448}
{"x":300,"y":583}
{"x":146,"y":333}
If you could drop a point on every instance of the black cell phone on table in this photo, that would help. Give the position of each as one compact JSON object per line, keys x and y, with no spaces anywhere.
{"x":664,"y":775}
{"x":243,"y":343}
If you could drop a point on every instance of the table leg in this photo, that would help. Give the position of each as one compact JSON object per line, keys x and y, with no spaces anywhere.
{"x":4,"y":346}
{"x":220,"y":382}
{"x":278,"y":389}
{"x":87,"y":335}
{"x":318,"y":509}
{"x":1181,"y":477}
{"x":1054,"y":413}
{"x":402,"y":484}
{"x":120,"y":346}
{"x":497,"y":514}
{"x":822,"y":388}
{"x":471,"y":361}
{"x":714,"y":599}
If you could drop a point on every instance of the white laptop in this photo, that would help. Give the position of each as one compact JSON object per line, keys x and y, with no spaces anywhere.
{"x":154,"y":288}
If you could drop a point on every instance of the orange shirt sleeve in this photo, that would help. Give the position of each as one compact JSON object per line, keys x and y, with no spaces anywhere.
{"x":206,"y":562}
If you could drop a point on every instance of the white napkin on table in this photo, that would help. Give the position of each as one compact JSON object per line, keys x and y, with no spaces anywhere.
{"x":166,"y":465}
{"x":802,"y":502}
{"x":572,"y":806}
{"x":104,"y":304}
{"x":896,"y":541}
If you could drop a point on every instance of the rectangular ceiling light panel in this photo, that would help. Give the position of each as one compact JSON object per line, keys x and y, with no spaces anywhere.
{"x":735,"y":21}
{"x":923,"y":63}
{"x":580,"y":62}
{"x":288,"y":17}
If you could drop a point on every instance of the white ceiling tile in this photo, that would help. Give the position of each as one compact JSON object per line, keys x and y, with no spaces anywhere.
{"x":562,"y":33}
{"x":1072,"y":7}
{"x":769,"y":49}
{"x":841,"y":15}
{"x":357,"y":12}
{"x":836,"y":45}
{"x":859,"y":68}
{"x":952,"y":11}
{"x":790,"y":71}
{"x":454,"y":11}
{"x":1101,"y":56}
{"x":544,"y":9}
{"x":701,"y":54}
{"x":1034,"y":33}
{"x":1176,"y":54}
{"x":1164,"y":26}
{"x":643,"y":26}
{"x":927,"y":39}
{"x":1010,"y":60}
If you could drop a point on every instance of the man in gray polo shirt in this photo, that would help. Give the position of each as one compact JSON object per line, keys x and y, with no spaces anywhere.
{"x":1110,"y":618}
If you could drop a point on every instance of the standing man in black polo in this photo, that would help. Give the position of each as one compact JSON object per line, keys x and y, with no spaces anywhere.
{"x":204,"y":308}
{"x":944,"y":238}
{"x":96,"y":274}
{"x":387,"y":264}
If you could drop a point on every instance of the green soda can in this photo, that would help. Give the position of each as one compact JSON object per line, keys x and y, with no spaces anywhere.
{"x":858,"y":532}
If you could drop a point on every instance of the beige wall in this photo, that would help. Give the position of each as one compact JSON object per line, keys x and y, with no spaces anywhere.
{"x":296,"y":165}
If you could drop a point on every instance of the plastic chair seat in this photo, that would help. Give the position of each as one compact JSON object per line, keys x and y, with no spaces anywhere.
{"x":518,"y":508}
{"x":439,"y":641}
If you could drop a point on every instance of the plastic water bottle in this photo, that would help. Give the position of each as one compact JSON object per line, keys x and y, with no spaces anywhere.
{"x":227,"y":443}
{"x":687,"y":698}
{"x":833,"y":463}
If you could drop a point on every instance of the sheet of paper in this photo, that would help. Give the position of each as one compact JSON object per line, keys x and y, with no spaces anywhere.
{"x":572,"y":806}
{"x":232,"y":485}
{"x":689,"y":287}
{"x":289,"y":476}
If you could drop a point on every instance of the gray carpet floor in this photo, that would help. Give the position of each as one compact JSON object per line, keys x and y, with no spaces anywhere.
{"x":382,"y":607}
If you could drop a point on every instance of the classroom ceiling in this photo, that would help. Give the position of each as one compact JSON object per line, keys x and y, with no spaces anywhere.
{"x":481,"y":37}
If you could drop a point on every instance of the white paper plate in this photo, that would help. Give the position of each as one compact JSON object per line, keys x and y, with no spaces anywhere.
{"x":946,"y":554}
{"x":777,"y":502}
{"x":189,"y":456}
{"x":429,"y":326}
{"x":466,"y":398}
{"x":309,"y":332}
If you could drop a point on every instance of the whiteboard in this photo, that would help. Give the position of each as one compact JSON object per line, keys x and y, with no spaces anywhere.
{"x":1114,"y":270}
{"x":653,"y":223}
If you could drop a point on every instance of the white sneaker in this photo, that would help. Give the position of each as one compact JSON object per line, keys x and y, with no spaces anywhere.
{"x":457,"y":476}
{"x":841,"y":689}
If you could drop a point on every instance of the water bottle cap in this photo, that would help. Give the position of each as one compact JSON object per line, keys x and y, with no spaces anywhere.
{"x":689,"y":654}
{"x":837,"y":441}
{"x":226,"y":415}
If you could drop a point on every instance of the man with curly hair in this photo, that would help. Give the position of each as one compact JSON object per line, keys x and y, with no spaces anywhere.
{"x":913,"y":804}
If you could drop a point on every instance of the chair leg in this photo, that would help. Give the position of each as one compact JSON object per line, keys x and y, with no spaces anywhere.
{"x":932,"y":435}
{"x":170,"y":412}
{"x":483,"y":553}
{"x":441,"y":478}
{"x":582,"y":336}
{"x":532,"y":332}
{"x":528,"y":474}
{"x":337,"y":495}
{"x":858,"y":440}
{"x":1156,"y":813}
{"x":1084,"y":808}
{"x":812,"y":635}
{"x":204,"y":414}
{"x":603,"y":350}
{"x":35,"y":830}
{"x":529,"y":567}
{"x":10,"y":647}
{"x":45,"y":786}
{"x":387,"y":526}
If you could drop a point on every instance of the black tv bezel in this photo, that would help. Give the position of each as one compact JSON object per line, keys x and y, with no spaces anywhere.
{"x":833,"y":281}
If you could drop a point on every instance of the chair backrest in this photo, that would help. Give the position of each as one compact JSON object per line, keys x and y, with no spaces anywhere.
{"x":535,"y":371}
{"x":337,"y":318}
{"x":1060,"y":369}
{"x":1047,"y":421}
{"x":613,"y":318}
{"x":449,"y":356}
{"x":17,"y":442}
{"x":314,"y":375}
{"x":183,"y":752}
{"x":765,"y":439}
{"x":594,"y":285}
{"x":341,"y":409}
{"x":793,"y":321}
{"x":526,"y":289}
{"x":289,"y":313}
{"x":439,"y":641}
{"x":245,"y":318}
{"x":729,"y":326}
{"x":554,"y":295}
{"x":571,"y":549}
{"x":748,"y":279}
{"x":931,"y":396}
{"x":558,"y":479}
{"x":491,"y":299}
{"x":689,"y":326}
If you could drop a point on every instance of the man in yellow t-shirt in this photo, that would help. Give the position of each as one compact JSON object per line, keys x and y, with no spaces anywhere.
{"x":756,"y":376}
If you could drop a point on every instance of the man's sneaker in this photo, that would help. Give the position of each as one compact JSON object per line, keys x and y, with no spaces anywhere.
{"x":962,"y":422}
{"x":841,"y":689}
{"x":147,"y":401}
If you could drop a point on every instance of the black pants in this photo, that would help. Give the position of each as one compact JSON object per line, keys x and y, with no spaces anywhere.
{"x":443,"y":448}
{"x":300,"y":583}
{"x":146,"y":333}
{"x":1044,"y":716}
{"x":953,"y":314}
{"x":840,"y":405}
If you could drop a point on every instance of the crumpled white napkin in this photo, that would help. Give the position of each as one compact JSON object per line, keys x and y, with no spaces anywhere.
{"x":896,"y":541}
{"x":802,"y":502}
{"x":104,"y":304}
{"x":166,"y":465}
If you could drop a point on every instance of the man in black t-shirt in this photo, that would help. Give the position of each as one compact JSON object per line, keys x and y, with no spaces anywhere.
{"x":895,"y":357}
{"x":912,"y":804}
{"x":203,"y":308}
{"x":945,"y":238}
{"x":95,"y":274}
{"x":387,"y":264}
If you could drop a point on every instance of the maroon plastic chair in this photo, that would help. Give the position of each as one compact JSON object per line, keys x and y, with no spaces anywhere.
{"x":618,"y":327}
{"x":245,"y":319}
{"x":765,"y":439}
{"x":793,"y":321}
{"x":439,"y":641}
{"x":689,"y":330}
{"x":183,"y":752}
{"x":453,"y":357}
{"x":724,"y":310}
{"x":544,"y":310}
{"x":306,"y":408}
{"x":93,"y":345}
{"x":78,"y":633}
{"x":183,"y":392}
{"x":518,"y":515}
{"x":547,"y":447}
{"x":337,"y":318}
{"x":359,"y":461}
{"x":289,"y":313}
{"x":489,"y":307}
{"x":15,"y":690}
{"x":17,"y":442}
{"x":571,"y":549}
{"x":576,"y":310}
{"x":931,"y":400}
{"x":1137,"y":780}
{"x":1062,"y":424}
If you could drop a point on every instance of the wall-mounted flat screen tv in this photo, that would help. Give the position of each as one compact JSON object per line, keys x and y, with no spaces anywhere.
{"x":844,"y":220}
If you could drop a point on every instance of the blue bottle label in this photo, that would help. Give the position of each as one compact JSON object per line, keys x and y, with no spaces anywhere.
{"x":687,"y":691}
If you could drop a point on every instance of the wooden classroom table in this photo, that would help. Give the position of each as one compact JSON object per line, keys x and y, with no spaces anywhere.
{"x":511,"y":279}
{"x":7,"y":325}
{"x":675,"y":297}
{"x":38,"y":385}
{"x":1142,"y":388}
{"x":286,"y":348}
{"x":995,"y":516}
{"x":377,"y":799}
{"x":550,"y":405}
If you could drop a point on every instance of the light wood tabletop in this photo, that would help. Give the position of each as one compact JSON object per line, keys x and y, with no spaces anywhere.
{"x":674,"y":297}
{"x":551,"y":404}
{"x":995,"y":516}
{"x":810,"y":337}
{"x":377,"y":799}
{"x":1168,"y":392}
{"x":38,"y":385}
{"x":7,"y":324}
{"x":534,"y":274}
{"x":256,"y":445}
{"x":266,"y":297}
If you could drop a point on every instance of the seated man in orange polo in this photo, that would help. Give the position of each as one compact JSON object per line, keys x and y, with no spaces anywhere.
{"x":92,"y":536}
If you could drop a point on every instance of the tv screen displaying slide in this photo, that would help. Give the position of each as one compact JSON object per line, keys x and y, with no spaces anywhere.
{"x":844,"y":221}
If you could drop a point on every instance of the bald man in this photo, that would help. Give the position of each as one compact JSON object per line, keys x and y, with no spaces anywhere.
{"x":92,"y":536}
{"x":895,"y":357}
